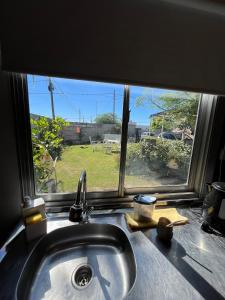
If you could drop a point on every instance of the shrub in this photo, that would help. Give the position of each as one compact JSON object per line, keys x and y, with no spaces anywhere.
{"x":155,"y":154}
{"x":47,"y":147}
{"x":46,"y":132}
{"x":135,"y":159}
{"x":181,"y":152}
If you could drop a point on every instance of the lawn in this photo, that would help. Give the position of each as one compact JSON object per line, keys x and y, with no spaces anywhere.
{"x":102,"y":169}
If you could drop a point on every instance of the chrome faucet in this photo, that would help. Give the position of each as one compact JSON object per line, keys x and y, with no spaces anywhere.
{"x":79,"y":211}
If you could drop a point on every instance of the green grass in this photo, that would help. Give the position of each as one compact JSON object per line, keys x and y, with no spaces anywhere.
{"x":102,"y":169}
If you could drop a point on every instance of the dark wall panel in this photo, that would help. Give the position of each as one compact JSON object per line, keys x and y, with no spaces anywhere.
{"x":10,"y":191}
{"x":177,"y":44}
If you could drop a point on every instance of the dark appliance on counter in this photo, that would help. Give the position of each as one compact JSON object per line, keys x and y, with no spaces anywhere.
{"x":213,"y":209}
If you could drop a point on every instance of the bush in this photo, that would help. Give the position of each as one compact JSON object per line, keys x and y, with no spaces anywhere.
{"x":46,"y":132}
{"x":47,"y":147}
{"x":180,"y":152}
{"x":155,"y":154}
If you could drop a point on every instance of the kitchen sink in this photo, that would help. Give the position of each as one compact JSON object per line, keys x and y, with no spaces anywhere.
{"x":87,"y":261}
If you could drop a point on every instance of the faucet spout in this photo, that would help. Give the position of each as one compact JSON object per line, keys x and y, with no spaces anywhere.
{"x":79,"y":211}
{"x":81,"y":190}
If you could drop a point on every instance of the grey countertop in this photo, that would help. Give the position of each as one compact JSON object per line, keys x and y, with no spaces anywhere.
{"x":191,"y":267}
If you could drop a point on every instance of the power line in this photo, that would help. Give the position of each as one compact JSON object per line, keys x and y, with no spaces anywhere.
{"x":60,"y":92}
{"x":66,"y":96}
{"x":90,"y":94}
{"x":75,"y":94}
{"x":41,"y":80}
{"x":40,"y":93}
{"x":85,"y":94}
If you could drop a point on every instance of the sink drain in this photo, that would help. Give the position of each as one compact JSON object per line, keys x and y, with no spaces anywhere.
{"x":82,"y":276}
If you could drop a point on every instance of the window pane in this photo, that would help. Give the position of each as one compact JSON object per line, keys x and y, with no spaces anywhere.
{"x":159,"y":153}
{"x":85,"y":133}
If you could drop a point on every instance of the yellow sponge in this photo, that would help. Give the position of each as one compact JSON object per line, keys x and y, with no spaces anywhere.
{"x":33,"y":219}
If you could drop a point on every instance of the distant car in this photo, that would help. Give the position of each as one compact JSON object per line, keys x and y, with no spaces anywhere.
{"x":167,"y":136}
{"x":146,"y":134}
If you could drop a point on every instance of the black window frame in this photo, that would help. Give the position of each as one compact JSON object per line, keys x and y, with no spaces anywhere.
{"x":191,"y":190}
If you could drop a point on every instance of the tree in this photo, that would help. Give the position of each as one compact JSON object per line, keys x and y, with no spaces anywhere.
{"x":47,"y":147}
{"x":46,"y":132}
{"x":107,"y":118}
{"x":179,"y":109}
{"x":160,"y":122}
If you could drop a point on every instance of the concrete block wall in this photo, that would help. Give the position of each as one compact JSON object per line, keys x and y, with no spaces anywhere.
{"x":80,"y":133}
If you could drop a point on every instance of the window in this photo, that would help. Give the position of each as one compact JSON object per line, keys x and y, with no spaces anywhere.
{"x":76,"y":125}
{"x":159,"y":149}
{"x":130,"y":139}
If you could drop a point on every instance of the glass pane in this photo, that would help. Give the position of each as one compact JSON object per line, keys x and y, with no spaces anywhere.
{"x":159,"y":153}
{"x":85,"y":133}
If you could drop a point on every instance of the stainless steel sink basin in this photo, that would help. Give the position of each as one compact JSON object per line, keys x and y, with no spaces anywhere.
{"x":90,"y":261}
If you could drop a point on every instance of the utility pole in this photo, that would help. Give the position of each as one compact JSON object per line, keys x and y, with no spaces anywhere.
{"x":51,"y":89}
{"x":114,"y":105}
{"x":79,"y":116}
{"x":96,"y":109}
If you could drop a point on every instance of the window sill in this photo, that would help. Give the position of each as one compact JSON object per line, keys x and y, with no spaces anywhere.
{"x":169,"y":199}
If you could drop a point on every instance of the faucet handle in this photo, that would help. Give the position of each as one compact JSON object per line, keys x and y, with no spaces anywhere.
{"x":89,"y":210}
{"x":87,"y":213}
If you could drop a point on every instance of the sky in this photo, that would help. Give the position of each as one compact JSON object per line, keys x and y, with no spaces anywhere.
{"x":79,"y":100}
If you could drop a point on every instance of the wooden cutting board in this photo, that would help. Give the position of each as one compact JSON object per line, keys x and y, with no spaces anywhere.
{"x":169,"y":213}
